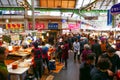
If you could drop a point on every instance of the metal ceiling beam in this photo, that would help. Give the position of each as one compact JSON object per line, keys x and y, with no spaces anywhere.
{"x":1,"y":2}
{"x":82,"y":8}
{"x":82,"y":3}
{"x":108,"y":3}
{"x":74,"y":7}
{"x":9,"y":2}
{"x":102,"y":4}
{"x":89,"y":2}
{"x":16,"y":2}
{"x":75,"y":3}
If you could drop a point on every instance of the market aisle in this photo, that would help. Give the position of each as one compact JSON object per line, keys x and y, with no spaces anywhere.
{"x":72,"y":73}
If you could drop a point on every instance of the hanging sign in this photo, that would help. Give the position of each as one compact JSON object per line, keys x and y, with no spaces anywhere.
{"x":115,"y":9}
{"x":13,"y":26}
{"x":52,"y":25}
{"x":38,"y":26}
{"x":74,"y":26}
{"x":91,"y":18}
{"x":109,"y":18}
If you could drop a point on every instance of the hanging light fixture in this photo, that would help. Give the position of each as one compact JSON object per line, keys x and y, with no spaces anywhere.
{"x":24,"y":4}
{"x":7,"y":20}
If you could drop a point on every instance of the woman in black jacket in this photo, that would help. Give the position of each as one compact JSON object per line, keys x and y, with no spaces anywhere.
{"x":86,"y":67}
{"x":100,"y":71}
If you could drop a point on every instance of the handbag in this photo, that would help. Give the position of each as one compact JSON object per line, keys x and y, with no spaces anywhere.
{"x":78,"y":53}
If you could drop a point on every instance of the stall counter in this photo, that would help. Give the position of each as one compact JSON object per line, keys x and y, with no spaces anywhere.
{"x":22,"y":68}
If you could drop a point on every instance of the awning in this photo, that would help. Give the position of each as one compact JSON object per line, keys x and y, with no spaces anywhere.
{"x":115,"y":9}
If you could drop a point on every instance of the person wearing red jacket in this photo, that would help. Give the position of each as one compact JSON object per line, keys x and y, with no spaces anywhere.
{"x":65,"y":54}
{"x":37,"y":61}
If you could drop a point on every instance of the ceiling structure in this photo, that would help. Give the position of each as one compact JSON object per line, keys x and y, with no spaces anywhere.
{"x":87,"y":5}
{"x":58,"y":4}
{"x":68,"y":4}
{"x":63,"y":4}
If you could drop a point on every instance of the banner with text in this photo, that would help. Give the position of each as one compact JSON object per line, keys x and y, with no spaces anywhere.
{"x":74,"y":26}
{"x":52,"y":25}
{"x":14,"y":26}
{"x":38,"y":26}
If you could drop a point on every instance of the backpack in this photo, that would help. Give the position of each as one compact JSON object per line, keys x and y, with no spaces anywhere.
{"x":37,"y":54}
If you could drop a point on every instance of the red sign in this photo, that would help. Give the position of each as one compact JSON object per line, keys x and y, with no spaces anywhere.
{"x":38,"y":26}
{"x":74,"y":26}
{"x":13,"y":26}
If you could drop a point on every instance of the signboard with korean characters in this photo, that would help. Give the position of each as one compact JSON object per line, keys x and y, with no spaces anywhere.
{"x":53,"y":26}
{"x":14,"y":26}
{"x":38,"y":26}
{"x":115,"y":9}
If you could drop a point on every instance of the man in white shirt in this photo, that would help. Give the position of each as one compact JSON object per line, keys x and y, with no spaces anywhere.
{"x":76,"y":49}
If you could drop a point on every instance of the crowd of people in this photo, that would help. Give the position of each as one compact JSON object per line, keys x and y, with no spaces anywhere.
{"x":96,"y":56}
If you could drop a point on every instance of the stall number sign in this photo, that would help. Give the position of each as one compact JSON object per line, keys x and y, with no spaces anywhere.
{"x":52,"y":25}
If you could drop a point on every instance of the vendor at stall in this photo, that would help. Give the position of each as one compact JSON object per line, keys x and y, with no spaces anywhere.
{"x":25,"y":43}
{"x":3,"y":67}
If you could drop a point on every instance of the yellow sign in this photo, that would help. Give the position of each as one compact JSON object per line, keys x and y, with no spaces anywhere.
{"x":13,"y":26}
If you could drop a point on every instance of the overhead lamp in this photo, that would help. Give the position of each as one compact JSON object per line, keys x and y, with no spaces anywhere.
{"x":20,"y":3}
{"x":24,"y":4}
{"x":88,"y":9}
{"x":7,"y":20}
{"x":47,"y":34}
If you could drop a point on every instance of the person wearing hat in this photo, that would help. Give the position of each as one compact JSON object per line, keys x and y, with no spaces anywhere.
{"x":114,"y":59}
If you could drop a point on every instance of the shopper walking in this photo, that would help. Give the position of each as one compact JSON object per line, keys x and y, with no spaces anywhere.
{"x":59,"y":49}
{"x":86,"y":67}
{"x":96,"y":48}
{"x":76,"y":48}
{"x":103,"y":46}
{"x":87,"y":50}
{"x":38,"y":61}
{"x":45,"y":55}
{"x":114,"y":59}
{"x":65,"y":54}
{"x":100,"y":71}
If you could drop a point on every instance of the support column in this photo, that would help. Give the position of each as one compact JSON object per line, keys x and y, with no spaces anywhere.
{"x":25,"y":20}
{"x":114,"y":17}
{"x":33,"y":16}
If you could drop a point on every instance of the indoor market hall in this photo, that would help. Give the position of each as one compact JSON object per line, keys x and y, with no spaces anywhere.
{"x":59,"y":39}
